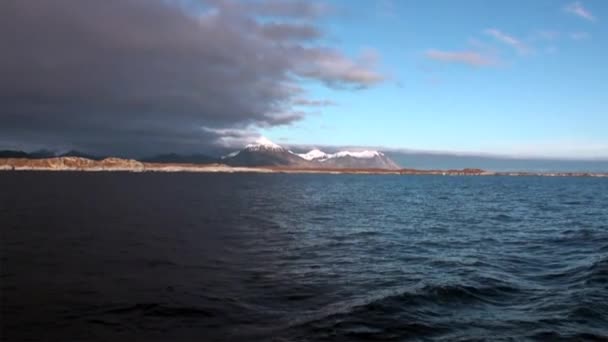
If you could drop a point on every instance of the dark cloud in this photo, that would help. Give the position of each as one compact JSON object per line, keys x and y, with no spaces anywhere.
{"x":289,"y":31}
{"x":158,"y":75}
{"x":281,"y":8}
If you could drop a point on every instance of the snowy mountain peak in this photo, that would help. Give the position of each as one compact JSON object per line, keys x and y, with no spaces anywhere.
{"x":263,"y":143}
{"x":358,"y":154}
{"x":264,"y":152}
{"x":321,"y":156}
{"x":313,"y":154}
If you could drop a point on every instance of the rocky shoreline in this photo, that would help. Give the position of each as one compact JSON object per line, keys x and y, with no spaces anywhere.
{"x":131,"y":165}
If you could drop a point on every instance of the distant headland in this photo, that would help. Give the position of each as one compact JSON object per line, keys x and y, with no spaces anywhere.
{"x":130,"y":165}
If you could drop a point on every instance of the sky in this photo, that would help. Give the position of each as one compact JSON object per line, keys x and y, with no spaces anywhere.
{"x":516,"y":78}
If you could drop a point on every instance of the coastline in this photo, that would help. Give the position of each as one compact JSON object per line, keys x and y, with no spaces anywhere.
{"x":79,"y":164}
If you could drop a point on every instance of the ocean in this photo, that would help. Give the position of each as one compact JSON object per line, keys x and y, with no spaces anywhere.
{"x":277,"y":257}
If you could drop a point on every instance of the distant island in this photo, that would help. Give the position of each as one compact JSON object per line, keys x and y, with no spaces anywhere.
{"x":131,"y":165}
{"x":263,"y":156}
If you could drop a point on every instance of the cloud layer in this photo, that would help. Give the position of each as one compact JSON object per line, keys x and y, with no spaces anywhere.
{"x":142,"y":76}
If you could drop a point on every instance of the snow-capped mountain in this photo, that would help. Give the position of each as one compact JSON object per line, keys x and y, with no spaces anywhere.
{"x":357,"y":160}
{"x":320,"y":155}
{"x":264,"y":144}
{"x":264,"y":152}
{"x":350,"y":159}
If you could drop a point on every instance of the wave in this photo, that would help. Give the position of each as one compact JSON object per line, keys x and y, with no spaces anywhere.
{"x":598,"y":272}
{"x":400,"y":313}
{"x":595,"y":272}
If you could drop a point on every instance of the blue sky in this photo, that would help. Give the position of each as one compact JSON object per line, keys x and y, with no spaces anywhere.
{"x":523,"y":78}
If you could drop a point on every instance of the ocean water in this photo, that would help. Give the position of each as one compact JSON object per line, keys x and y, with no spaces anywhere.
{"x":254,"y":257}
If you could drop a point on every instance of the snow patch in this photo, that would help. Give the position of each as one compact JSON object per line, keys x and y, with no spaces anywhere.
{"x":232,"y":154}
{"x":322,"y":156}
{"x":313,"y":154}
{"x":263,"y":143}
{"x":357,"y":154}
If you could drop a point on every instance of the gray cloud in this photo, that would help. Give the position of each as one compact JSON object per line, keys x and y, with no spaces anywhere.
{"x":280,"y":8}
{"x":145,"y":76}
{"x":314,"y":103}
{"x":336,"y":70}
{"x":290,"y":31}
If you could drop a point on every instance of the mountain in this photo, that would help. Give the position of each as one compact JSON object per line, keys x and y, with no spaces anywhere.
{"x":13,"y":154}
{"x":266,"y":153}
{"x":262,"y":152}
{"x":351,"y":159}
{"x":31,"y":155}
{"x":181,"y":159}
{"x":44,"y":154}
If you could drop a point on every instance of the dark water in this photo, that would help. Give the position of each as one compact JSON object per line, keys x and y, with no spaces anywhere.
{"x":197,"y":257}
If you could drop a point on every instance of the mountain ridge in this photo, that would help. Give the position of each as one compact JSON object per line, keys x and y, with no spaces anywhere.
{"x":419,"y":160}
{"x":261,"y":153}
{"x":266,"y":153}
